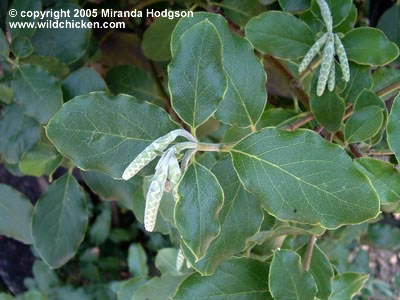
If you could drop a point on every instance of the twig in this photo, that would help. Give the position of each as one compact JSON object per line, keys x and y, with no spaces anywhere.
{"x":389,"y":89}
{"x":310,"y":68}
{"x":380,"y":152}
{"x":300,"y":122}
{"x":309,"y":252}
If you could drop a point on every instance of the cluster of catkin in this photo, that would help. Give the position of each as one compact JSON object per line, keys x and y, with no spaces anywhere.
{"x":168,"y":171}
{"x":333,"y":45}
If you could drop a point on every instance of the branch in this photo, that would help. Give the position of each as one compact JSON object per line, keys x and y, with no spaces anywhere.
{"x":388,"y":89}
{"x":309,"y":252}
{"x":298,"y":123}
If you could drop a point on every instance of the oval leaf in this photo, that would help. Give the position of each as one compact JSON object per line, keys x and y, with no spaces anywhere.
{"x":40,"y":160}
{"x":196,"y":213}
{"x":393,"y":128}
{"x":59,"y":221}
{"x":238,"y":278}
{"x":363,"y":124}
{"x":105,"y":133}
{"x":37,"y":91}
{"x":357,"y":43}
{"x":197,"y":80}
{"x":15,"y":214}
{"x":300,"y":177}
{"x":346,"y":285}
{"x":246,"y":96}
{"x":280,"y":34}
{"x":288,"y":279}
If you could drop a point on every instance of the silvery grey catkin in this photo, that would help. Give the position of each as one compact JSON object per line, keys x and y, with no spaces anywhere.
{"x":344,"y":63}
{"x":331,"y":80}
{"x":312,"y":52}
{"x":327,"y":61}
{"x":151,"y":152}
{"x":326,"y":14}
{"x":156,"y":190}
{"x":180,"y":259}
{"x":174,"y":175}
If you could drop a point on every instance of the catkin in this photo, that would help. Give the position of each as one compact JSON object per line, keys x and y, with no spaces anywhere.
{"x":156,"y":190}
{"x":326,"y":14}
{"x":180,"y":259}
{"x":151,"y":152}
{"x":174,"y":175}
{"x":312,"y":52}
{"x":331,"y":80}
{"x":327,"y":60}
{"x":344,"y":63}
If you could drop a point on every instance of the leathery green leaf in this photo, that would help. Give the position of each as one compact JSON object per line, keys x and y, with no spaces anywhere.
{"x":393,"y":128}
{"x":288,"y":279}
{"x":384,"y":177}
{"x":246,"y":96}
{"x":105,"y":133}
{"x":197,"y":80}
{"x":129,"y":287}
{"x":137,"y":260}
{"x":328,"y":109}
{"x":346,"y":285}
{"x":41,"y":159}
{"x":389,"y":23}
{"x":237,"y":278}
{"x":241,"y":11}
{"x":241,"y":217}
{"x":196,"y":213}
{"x":18,"y":133}
{"x":37,"y":91}
{"x":280,"y":34}
{"x":59,"y":221}
{"x":301,"y":177}
{"x":363,"y":124}
{"x":158,"y":288}
{"x":321,"y":270}
{"x":15,"y":214}
{"x":357,"y":43}
{"x":360,"y":79}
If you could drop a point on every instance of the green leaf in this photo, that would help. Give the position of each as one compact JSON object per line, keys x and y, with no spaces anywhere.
{"x":157,"y":38}
{"x":23,"y":6}
{"x":240,"y":12}
{"x":105,"y":133}
{"x":51,"y":64}
{"x":18,"y":133}
{"x":280,"y":34}
{"x":292,"y":172}
{"x":393,"y":128}
{"x":384,"y":177}
{"x":363,"y":124}
{"x":295,"y":6}
{"x":246,"y":96}
{"x":241,"y":217}
{"x":112,"y":190}
{"x":196,"y":212}
{"x":158,"y":288}
{"x":384,"y":77}
{"x":4,"y":296}
{"x":275,"y":117}
{"x":339,"y":10}
{"x":389,"y":23}
{"x":368,"y":98}
{"x":350,"y":21}
{"x":15,"y":214}
{"x":360,"y":79}
{"x":37,"y":91}
{"x":4,"y":47}
{"x":133,"y":81}
{"x":59,"y":221}
{"x":321,"y":270}
{"x":51,"y":41}
{"x":82,"y":81}
{"x":197,"y":80}
{"x":6,"y":93}
{"x":288,"y":279}
{"x":166,"y":261}
{"x":346,"y":285}
{"x":130,"y":286}
{"x":328,"y":109}
{"x":137,"y":260}
{"x":21,"y":47}
{"x":42,"y":159}
{"x":100,"y":229}
{"x":357,"y":43}
{"x":45,"y":278}
{"x":238,"y":278}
